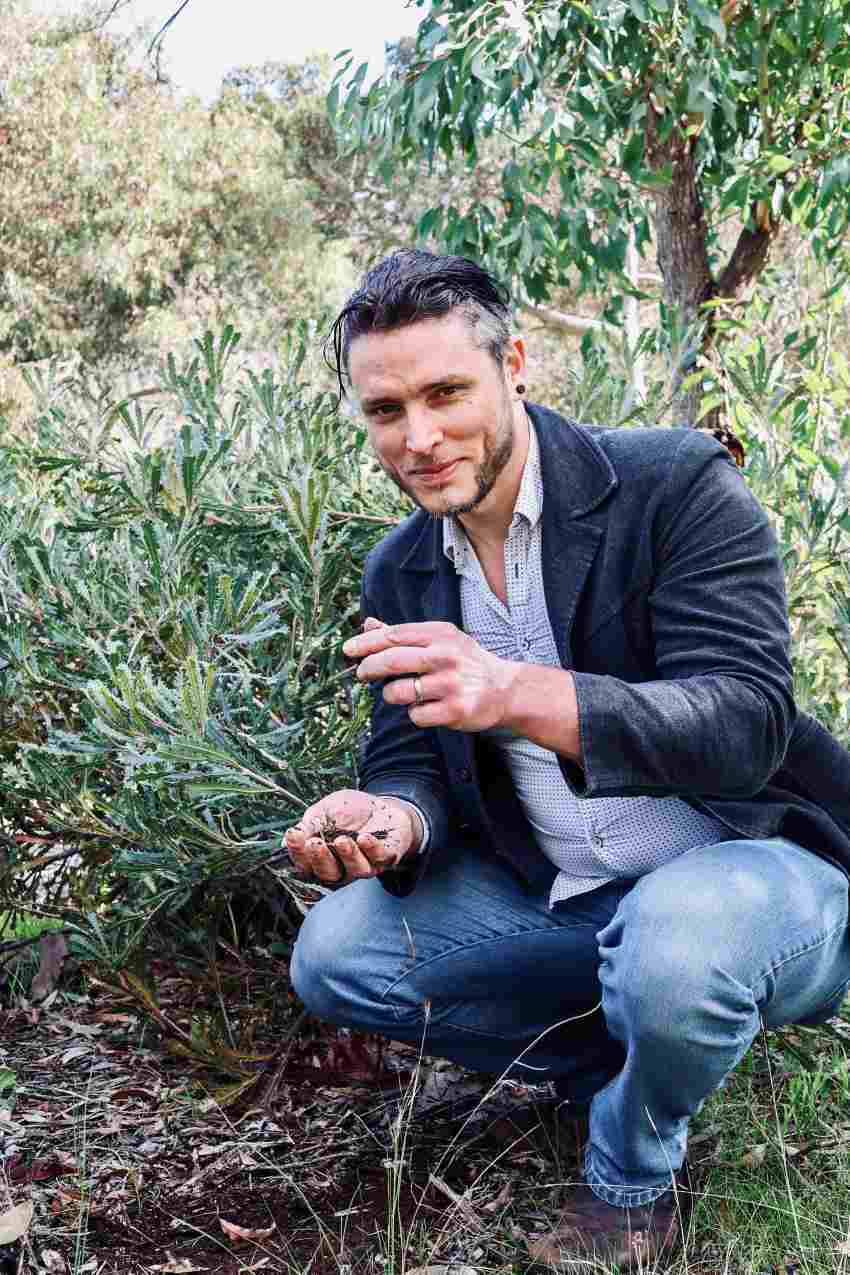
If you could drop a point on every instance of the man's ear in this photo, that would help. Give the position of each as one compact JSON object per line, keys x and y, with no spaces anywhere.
{"x":514,"y":361}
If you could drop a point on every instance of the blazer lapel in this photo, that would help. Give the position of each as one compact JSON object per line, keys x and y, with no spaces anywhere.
{"x":441,"y":600}
{"x":569,"y":547}
{"x":577,"y":476}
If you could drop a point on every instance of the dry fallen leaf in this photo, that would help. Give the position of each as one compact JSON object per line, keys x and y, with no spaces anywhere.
{"x":79,"y":1029}
{"x":52,"y":950}
{"x":177,"y":1266}
{"x":443,"y":1270}
{"x":754,"y":1157}
{"x":76,"y":1051}
{"x":241,"y":1235}
{"x":44,"y":1169}
{"x":501,"y":1200}
{"x":52,"y":1261}
{"x":15,"y":1222}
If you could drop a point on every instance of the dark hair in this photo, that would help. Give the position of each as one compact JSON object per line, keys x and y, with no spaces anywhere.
{"x":413,"y":285}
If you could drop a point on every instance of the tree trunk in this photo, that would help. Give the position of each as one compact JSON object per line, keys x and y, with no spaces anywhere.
{"x":682,"y":238}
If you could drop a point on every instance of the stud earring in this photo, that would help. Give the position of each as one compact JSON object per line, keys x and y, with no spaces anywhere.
{"x":520,"y":389}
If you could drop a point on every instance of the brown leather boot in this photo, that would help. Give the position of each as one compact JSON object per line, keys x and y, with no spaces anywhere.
{"x":624,"y":1237}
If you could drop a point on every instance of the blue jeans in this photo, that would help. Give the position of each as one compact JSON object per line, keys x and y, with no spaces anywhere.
{"x":667,"y":978}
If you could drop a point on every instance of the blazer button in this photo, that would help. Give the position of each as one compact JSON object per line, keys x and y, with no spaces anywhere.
{"x":463,"y":775}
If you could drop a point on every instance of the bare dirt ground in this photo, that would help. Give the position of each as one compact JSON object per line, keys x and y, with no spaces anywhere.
{"x":140,"y":1155}
{"x":134,"y":1164}
{"x":139,"y":1158}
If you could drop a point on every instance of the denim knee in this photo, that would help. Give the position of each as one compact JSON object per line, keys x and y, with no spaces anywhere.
{"x":333,"y":968}
{"x":319,"y":970}
{"x":309,"y":967}
{"x":659,"y":972}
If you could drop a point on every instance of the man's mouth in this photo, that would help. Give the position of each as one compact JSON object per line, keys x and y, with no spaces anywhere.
{"x":434,"y":470}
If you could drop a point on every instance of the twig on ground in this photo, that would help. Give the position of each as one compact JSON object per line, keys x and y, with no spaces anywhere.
{"x":460,"y":1202}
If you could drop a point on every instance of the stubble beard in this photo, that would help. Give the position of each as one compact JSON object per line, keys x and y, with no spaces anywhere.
{"x":497,"y":454}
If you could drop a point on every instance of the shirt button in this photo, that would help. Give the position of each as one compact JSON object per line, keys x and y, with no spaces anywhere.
{"x":598,"y":841}
{"x":526,"y":644}
{"x":463,"y":775}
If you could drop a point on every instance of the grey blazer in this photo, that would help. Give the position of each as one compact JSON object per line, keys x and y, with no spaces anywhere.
{"x":666,"y":595}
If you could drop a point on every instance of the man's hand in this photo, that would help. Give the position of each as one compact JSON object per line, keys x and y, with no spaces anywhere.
{"x":441,"y":674}
{"x":381,"y":831}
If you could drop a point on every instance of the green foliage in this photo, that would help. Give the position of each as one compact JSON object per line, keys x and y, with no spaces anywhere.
{"x":180,"y":563}
{"x":175,"y":583}
{"x":790,"y":407}
{"x":601,"y":101}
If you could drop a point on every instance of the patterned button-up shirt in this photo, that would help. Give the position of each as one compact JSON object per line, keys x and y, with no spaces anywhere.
{"x":590,"y":840}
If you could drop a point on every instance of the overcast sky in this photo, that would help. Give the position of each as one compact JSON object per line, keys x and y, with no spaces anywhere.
{"x":212,"y":36}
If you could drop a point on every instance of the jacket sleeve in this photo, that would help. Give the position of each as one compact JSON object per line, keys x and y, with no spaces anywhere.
{"x":399,"y":759}
{"x":717,"y":720}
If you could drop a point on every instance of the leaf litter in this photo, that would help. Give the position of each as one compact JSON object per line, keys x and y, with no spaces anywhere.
{"x":276,"y":1157}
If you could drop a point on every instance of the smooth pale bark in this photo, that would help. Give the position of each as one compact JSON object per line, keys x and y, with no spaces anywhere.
{"x":631,"y":322}
{"x":577,"y":324}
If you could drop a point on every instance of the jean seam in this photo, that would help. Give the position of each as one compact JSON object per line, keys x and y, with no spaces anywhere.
{"x":462,"y":1028}
{"x":804,"y":951}
{"x":466,"y":947}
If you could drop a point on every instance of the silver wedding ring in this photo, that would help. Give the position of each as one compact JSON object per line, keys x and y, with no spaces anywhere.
{"x":417,"y":689}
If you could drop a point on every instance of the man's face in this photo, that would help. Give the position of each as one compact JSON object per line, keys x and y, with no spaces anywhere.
{"x":440,"y":412}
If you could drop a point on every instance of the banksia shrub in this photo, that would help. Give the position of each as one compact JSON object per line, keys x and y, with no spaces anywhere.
{"x":177,"y":573}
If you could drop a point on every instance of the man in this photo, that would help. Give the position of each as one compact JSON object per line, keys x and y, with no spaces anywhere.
{"x":606,"y":845}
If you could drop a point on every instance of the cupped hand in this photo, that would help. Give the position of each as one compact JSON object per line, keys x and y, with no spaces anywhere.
{"x":376,"y":834}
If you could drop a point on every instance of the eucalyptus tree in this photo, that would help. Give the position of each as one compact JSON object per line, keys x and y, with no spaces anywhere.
{"x":659,"y":120}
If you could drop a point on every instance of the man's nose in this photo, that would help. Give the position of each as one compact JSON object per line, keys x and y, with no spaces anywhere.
{"x":424,"y":431}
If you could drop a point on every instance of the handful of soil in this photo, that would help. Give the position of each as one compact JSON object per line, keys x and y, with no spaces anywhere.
{"x":329,"y":831}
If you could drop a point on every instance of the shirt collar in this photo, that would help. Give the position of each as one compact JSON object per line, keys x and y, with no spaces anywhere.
{"x":528,"y":506}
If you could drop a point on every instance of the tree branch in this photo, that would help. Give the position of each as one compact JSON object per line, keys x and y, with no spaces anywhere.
{"x":101,"y":19}
{"x":577,"y":324}
{"x":748,"y":258}
{"x":156,"y":42}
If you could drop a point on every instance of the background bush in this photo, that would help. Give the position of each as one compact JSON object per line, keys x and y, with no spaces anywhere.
{"x":175,"y":582}
{"x":178,"y":572}
{"x":184,"y":518}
